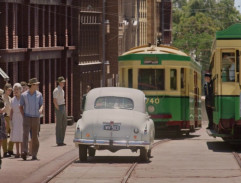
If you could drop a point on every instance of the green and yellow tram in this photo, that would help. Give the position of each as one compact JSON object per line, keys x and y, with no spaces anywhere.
{"x":225,"y":66}
{"x":171,"y":81}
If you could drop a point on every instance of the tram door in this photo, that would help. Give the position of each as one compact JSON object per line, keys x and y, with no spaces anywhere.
{"x":184,"y":92}
{"x":229,"y":85}
{"x":228,"y":81}
{"x":196,"y":97}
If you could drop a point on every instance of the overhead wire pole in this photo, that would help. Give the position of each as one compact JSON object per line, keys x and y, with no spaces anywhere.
{"x":103,"y":45}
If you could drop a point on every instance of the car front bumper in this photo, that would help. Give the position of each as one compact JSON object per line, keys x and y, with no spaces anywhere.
{"x":124,"y":143}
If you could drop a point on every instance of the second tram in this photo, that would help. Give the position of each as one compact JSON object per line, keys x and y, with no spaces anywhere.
{"x":171,"y":81}
{"x":225,"y":67}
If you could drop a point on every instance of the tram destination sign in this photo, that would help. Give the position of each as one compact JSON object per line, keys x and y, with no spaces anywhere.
{"x":151,"y":61}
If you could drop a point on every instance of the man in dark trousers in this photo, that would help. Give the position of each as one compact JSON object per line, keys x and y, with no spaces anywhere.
{"x":31,"y":107}
{"x":208,"y":89}
{"x":60,"y":111}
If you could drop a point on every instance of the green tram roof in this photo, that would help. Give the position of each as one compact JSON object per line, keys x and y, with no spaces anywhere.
{"x":145,"y":49}
{"x":161,"y":52}
{"x":232,"y":32}
{"x":156,"y":54}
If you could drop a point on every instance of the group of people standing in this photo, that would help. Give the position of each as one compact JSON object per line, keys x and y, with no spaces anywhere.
{"x":10,"y":119}
{"x":20,"y":117}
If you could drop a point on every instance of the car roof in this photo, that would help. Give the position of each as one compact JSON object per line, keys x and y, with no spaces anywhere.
{"x":137,"y":96}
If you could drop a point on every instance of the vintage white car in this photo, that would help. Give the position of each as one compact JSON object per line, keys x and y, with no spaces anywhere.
{"x":114,"y":118}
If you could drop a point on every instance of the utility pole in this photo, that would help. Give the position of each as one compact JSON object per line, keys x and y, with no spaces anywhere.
{"x":103,"y":45}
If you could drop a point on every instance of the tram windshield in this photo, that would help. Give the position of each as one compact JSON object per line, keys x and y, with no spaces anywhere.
{"x":151,"y":79}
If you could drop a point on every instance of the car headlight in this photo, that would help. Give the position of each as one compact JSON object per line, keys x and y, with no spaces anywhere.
{"x":136,"y":130}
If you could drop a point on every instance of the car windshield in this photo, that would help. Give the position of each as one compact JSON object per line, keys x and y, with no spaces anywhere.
{"x":110,"y":102}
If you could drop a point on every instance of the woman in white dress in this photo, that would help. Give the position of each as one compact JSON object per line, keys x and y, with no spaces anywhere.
{"x":16,"y":119}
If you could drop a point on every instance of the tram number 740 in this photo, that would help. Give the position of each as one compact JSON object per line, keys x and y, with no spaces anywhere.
{"x":153,"y":100}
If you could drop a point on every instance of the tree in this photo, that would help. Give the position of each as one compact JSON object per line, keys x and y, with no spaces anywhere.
{"x":179,"y":3}
{"x":194,"y":35}
{"x":196,"y":22}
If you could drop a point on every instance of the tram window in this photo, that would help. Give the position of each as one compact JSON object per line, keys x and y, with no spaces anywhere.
{"x":182,"y":77}
{"x":228,"y":66}
{"x":237,"y":64}
{"x":173,"y":79}
{"x":151,"y":79}
{"x":130,"y":76}
{"x":237,"y":60}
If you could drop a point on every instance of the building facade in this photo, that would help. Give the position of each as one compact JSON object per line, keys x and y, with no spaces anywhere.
{"x":128,"y":25}
{"x":165,"y":29}
{"x":36,"y":40}
{"x":143,"y":22}
{"x":97,"y":47}
{"x":78,"y":39}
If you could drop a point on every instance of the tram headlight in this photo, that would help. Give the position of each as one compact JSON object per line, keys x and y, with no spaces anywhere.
{"x":151,"y":108}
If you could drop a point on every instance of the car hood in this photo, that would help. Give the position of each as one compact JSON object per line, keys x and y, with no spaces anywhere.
{"x":98,"y":122}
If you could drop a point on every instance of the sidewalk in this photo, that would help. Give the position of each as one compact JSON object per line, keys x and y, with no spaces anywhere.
{"x":51,"y":158}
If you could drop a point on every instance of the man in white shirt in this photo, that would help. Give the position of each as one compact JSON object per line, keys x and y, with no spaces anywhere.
{"x":59,"y":105}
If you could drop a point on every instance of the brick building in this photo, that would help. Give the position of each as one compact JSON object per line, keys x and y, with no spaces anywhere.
{"x":36,"y":40}
{"x":144,"y":21}
{"x":165,"y":29}
{"x":89,"y":46}
{"x":46,"y":39}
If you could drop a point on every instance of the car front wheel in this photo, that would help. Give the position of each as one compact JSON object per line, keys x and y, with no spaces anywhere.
{"x":82,"y":152}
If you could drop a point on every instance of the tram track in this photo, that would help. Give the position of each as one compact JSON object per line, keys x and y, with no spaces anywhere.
{"x":58,"y":171}
{"x":133,"y":166}
{"x":129,"y":172}
{"x":237,"y":158}
{"x":124,"y":179}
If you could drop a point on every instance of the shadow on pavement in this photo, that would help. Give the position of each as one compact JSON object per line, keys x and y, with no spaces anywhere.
{"x":222,"y":147}
{"x":176,"y":137}
{"x":114,"y":160}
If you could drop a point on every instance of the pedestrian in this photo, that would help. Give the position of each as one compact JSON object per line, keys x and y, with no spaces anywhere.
{"x":25,"y":88}
{"x":3,"y":134}
{"x":59,"y":104}
{"x":16,"y":119}
{"x":1,"y":92}
{"x":7,"y":146}
{"x":31,"y":106}
{"x":208,"y":89}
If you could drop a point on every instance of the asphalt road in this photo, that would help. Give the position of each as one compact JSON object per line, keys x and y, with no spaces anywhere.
{"x":194,"y":159}
{"x":51,"y":158}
